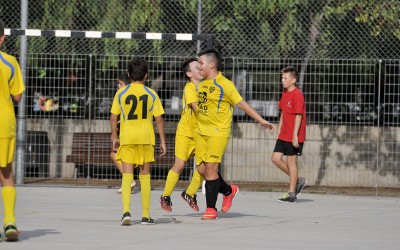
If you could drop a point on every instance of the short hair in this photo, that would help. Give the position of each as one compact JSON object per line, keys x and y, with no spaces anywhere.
{"x":292,"y":70}
{"x":211,"y":53}
{"x":137,"y":69}
{"x":185,"y":66}
{"x":124,"y":77}
{"x":1,"y":27}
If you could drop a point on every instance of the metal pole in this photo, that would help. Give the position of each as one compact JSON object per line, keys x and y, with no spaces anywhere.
{"x":90,"y":117}
{"x":379,"y":128}
{"x":21,"y":126}
{"x":199,"y":10}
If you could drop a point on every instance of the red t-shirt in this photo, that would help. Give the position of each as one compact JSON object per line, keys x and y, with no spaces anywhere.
{"x":292,"y":103}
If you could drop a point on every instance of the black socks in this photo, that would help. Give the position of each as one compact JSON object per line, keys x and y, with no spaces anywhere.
{"x":212,"y":188}
{"x":224,"y":188}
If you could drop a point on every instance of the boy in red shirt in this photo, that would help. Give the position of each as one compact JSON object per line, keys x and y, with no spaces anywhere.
{"x":291,"y":133}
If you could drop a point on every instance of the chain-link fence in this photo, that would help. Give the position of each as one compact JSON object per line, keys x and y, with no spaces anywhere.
{"x":271,"y":29}
{"x":353,"y":117}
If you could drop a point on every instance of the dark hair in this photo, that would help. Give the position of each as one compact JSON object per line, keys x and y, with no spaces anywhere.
{"x":124,"y":77}
{"x":292,"y":70}
{"x":211,"y":53}
{"x":1,"y":27}
{"x":185,"y":66}
{"x":137,"y":69}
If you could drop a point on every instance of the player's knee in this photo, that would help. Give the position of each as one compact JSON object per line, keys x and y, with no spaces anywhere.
{"x":275,"y":159}
{"x":178,"y":168}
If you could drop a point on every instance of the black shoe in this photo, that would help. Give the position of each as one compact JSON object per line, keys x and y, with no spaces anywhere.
{"x":192,"y":201}
{"x":126,"y":219}
{"x":11,"y":233}
{"x":301,"y":183}
{"x":166,"y":203}
{"x":288,"y":197}
{"x":147,"y":221}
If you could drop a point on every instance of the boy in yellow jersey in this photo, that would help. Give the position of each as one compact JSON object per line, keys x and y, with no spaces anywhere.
{"x":215,"y":100}
{"x":184,"y":140}
{"x":136,"y":105}
{"x":123,"y":80}
{"x":11,"y":88}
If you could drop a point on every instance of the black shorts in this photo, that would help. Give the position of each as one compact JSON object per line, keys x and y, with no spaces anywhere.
{"x":287,"y":148}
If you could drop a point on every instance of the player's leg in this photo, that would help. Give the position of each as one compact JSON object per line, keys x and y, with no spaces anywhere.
{"x":127,"y":178}
{"x":195,"y":183}
{"x":291,"y":158}
{"x":215,"y":152}
{"x":145,"y":187}
{"x":113,"y":156}
{"x":172,"y":179}
{"x":277,"y":159}
{"x":212,"y":190}
{"x":277,"y":156}
{"x":8,"y":191}
{"x":293,"y":172}
{"x":9,"y":196}
{"x":189,"y":195}
{"x":290,"y":196}
{"x":224,"y":188}
{"x":126,"y":154}
{"x":300,"y":181}
{"x":210,"y":175}
{"x":183,"y":147}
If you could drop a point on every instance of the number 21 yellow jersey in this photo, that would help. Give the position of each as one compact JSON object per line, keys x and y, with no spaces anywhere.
{"x":136,"y":105}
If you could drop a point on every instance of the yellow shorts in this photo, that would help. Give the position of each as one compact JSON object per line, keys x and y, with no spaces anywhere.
{"x":210,"y":149}
{"x":7,"y":150}
{"x":184,"y":147}
{"x":135,"y":154}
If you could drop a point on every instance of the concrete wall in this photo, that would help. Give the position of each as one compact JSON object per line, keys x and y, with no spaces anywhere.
{"x":332,"y":155}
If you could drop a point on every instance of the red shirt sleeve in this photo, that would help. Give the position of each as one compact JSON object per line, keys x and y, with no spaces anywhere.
{"x":299,"y":103}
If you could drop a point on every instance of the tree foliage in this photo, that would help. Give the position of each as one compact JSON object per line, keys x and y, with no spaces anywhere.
{"x":245,"y":28}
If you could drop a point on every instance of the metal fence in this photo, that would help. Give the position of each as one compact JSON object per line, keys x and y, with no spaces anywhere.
{"x":353,"y":117}
{"x":344,"y":51}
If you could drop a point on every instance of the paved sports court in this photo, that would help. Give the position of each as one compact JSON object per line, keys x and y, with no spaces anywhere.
{"x":88,"y":218}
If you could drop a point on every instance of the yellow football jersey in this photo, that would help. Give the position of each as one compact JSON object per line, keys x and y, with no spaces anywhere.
{"x":215,"y":101}
{"x":11,"y":83}
{"x":136,"y":105}
{"x":188,"y":123}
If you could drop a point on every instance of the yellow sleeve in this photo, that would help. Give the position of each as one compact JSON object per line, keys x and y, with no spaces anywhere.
{"x":232,"y":93}
{"x":158,"y":109}
{"x":17,"y":83}
{"x":190,"y":93}
{"x":115,"y":108}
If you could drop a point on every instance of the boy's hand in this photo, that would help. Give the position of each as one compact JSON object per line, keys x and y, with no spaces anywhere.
{"x":269,"y":126}
{"x":163,"y":149}
{"x":115,"y":143}
{"x":295,"y":142}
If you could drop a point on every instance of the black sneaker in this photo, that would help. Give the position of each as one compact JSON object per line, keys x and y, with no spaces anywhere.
{"x":192,"y":201}
{"x":301,"y":183}
{"x":288,"y":197}
{"x":166,"y":203}
{"x":147,"y":221}
{"x":126,"y":219}
{"x":11,"y":233}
